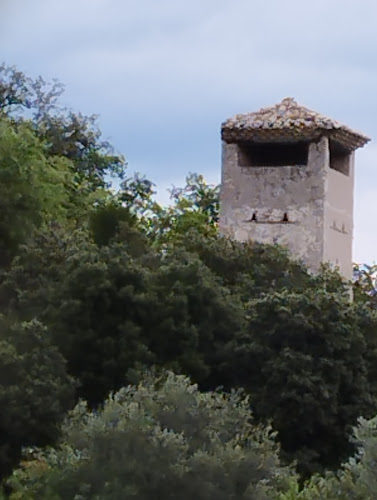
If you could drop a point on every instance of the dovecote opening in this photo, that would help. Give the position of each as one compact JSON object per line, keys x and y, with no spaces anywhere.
{"x":252,"y":154}
{"x":339,"y":158}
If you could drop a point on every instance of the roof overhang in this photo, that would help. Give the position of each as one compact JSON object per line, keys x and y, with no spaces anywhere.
{"x":346,"y":138}
{"x":289,"y":122}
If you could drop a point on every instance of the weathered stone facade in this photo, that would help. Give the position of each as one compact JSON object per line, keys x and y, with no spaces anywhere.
{"x":306,"y":207}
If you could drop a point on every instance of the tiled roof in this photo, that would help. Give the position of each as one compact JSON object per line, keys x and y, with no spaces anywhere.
{"x":289,"y":121}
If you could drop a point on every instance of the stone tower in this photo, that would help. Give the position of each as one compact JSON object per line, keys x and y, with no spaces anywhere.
{"x":287,"y":178}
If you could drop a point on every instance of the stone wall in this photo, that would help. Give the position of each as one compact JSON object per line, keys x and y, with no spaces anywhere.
{"x":338,"y":218}
{"x":288,"y":202}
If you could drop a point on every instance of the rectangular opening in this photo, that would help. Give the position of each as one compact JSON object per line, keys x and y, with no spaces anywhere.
{"x":339,"y":158}
{"x":272,"y":154}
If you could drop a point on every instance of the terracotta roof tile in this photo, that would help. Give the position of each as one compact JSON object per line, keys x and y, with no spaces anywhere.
{"x":288,"y":120}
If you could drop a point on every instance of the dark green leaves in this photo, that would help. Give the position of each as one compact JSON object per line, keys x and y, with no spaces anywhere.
{"x":35,"y":390}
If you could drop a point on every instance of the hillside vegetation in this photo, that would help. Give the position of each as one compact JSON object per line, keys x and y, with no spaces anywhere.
{"x":145,"y":356}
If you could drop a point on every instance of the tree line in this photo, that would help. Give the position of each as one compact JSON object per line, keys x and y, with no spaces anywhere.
{"x":143,"y":354}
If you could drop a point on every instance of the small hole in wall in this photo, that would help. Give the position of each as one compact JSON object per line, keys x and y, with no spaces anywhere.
{"x":285,"y":217}
{"x":254,"y":217}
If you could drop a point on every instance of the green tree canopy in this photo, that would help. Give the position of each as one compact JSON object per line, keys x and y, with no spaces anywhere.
{"x":304,"y":360}
{"x":35,"y":390}
{"x":356,"y":478}
{"x":66,"y":134}
{"x":121,"y":282}
{"x":110,"y":310}
{"x":162,"y":439}
{"x":304,"y":353}
{"x":33,"y":187}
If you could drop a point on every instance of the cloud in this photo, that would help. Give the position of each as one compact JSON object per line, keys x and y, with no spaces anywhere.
{"x":177,"y":56}
{"x":163,"y":75}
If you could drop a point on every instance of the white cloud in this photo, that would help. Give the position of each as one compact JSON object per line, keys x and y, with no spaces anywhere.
{"x":163,"y":75}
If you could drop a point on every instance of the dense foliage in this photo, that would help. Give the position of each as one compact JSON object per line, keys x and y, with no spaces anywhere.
{"x":97,"y":284}
{"x":304,"y":359}
{"x":65,"y":134}
{"x":153,"y":441}
{"x":33,"y":186}
{"x":164,"y":436}
{"x":35,"y":390}
{"x":357,"y":477}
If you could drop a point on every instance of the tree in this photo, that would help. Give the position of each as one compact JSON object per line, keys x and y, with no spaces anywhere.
{"x":304,"y":361}
{"x":194,"y":207}
{"x":365,"y":284}
{"x":193,"y":320}
{"x":33,"y":187}
{"x":356,"y":478}
{"x":114,"y":307}
{"x":108,"y":219}
{"x":197,"y":307}
{"x":66,"y":134}
{"x":111,"y":312}
{"x":35,"y":390}
{"x":160,"y":439}
{"x":96,"y":313}
{"x":20,"y":93}
{"x":247,"y":269}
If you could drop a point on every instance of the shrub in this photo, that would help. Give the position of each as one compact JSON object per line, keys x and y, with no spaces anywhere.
{"x":163,"y":439}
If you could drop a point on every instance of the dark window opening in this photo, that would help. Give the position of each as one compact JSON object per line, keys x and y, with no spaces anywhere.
{"x":339,"y":158}
{"x":272,"y":154}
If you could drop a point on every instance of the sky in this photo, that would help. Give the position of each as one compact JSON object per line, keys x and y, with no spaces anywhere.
{"x":163,"y":74}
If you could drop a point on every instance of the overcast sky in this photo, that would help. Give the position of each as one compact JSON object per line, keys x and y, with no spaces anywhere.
{"x":164,"y":74}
